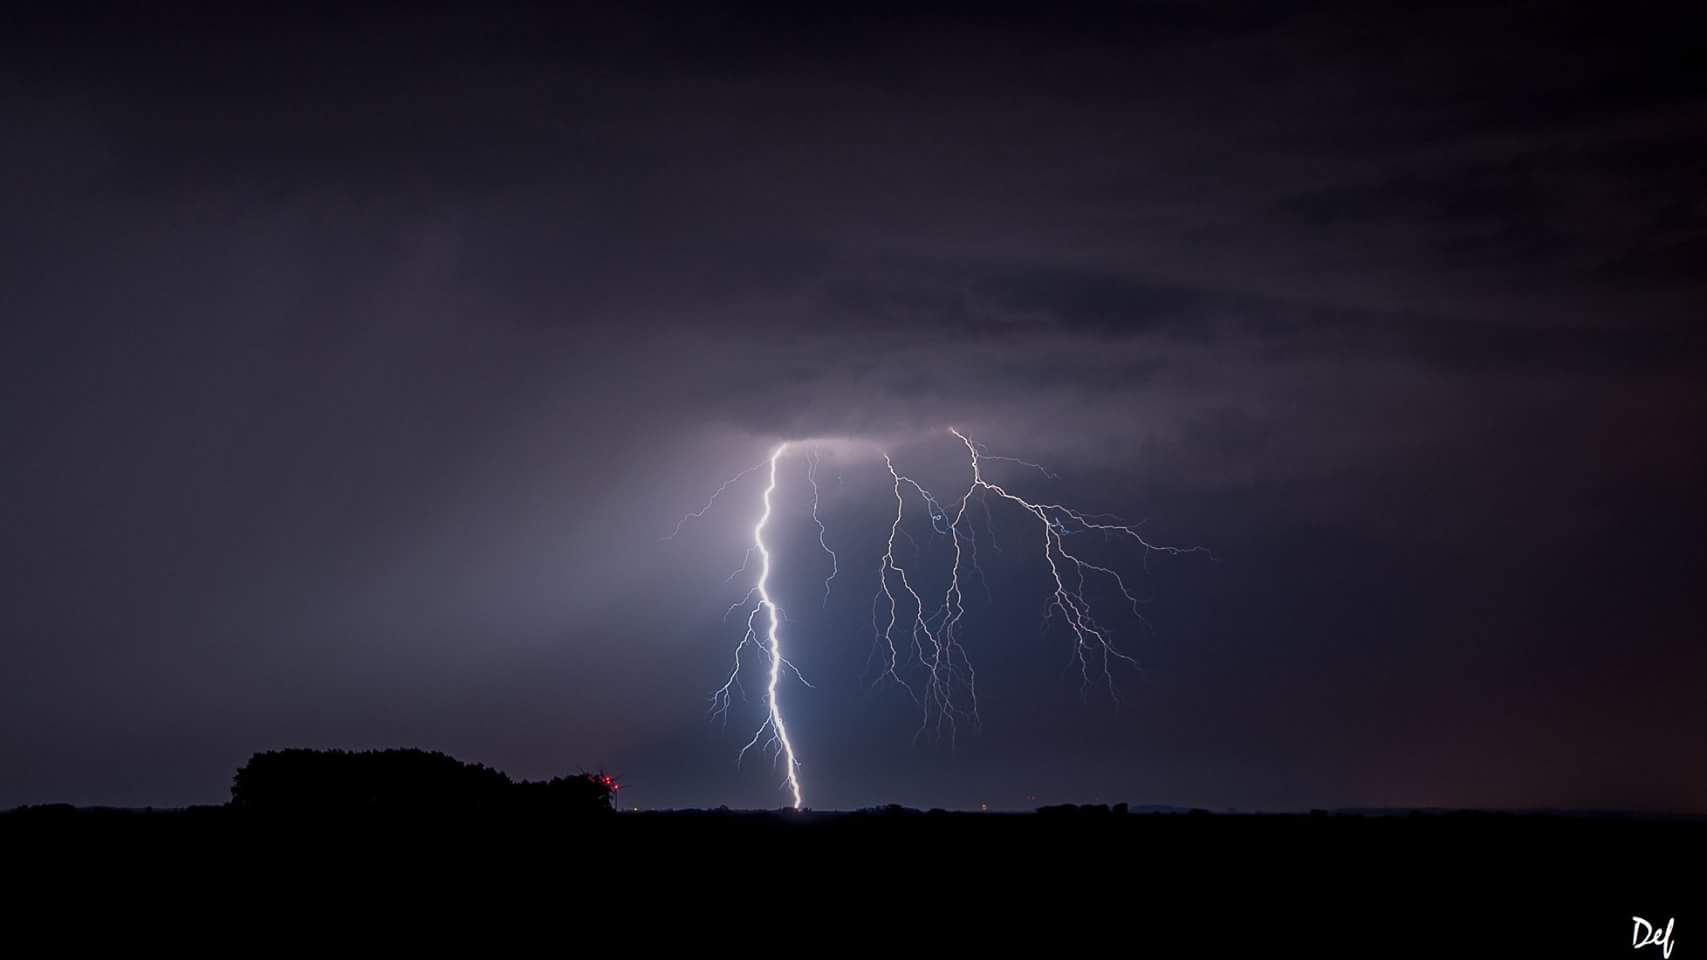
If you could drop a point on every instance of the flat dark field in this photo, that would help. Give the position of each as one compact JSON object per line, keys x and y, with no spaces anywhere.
{"x":1470,"y":884}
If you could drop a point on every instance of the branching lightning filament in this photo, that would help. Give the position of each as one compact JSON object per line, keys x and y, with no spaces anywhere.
{"x":911,"y":634}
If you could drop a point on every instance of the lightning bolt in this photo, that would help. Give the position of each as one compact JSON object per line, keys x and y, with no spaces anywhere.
{"x":1040,"y":468}
{"x":1069,"y":601}
{"x":712,"y":501}
{"x":835,"y":565}
{"x":949,"y":695}
{"x":938,"y":699}
{"x":908,"y":629}
{"x":771,"y":645}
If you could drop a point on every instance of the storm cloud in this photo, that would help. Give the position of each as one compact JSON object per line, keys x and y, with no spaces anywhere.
{"x":356,"y":367}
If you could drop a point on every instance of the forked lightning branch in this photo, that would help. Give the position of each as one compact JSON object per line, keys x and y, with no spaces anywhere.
{"x":916,"y":634}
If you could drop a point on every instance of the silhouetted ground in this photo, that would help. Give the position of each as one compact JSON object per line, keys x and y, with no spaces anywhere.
{"x":372,"y":837}
{"x":1460,"y":884}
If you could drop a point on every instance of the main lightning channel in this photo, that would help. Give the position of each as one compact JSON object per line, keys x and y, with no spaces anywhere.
{"x":773,"y":644}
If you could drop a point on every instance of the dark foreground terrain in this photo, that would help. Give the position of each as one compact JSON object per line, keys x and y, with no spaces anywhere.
{"x":1199,"y":884}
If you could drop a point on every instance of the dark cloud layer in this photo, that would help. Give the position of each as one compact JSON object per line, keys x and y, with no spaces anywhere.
{"x":357,"y":360}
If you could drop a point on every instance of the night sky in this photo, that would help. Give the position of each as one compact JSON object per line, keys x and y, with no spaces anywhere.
{"x":356,"y":364}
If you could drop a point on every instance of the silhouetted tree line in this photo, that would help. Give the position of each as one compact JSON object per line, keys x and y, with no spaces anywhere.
{"x":412,"y":781}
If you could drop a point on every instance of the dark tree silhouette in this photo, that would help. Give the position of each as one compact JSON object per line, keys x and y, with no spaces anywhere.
{"x":404,"y":781}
